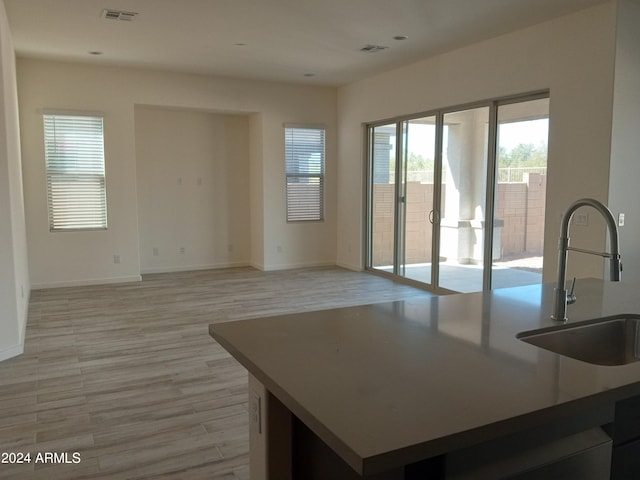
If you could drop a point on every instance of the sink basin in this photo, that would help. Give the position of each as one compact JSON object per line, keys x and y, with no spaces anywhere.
{"x":604,"y":341}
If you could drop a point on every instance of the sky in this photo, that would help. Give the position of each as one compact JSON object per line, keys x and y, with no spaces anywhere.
{"x":531,"y":131}
{"x":511,"y":135}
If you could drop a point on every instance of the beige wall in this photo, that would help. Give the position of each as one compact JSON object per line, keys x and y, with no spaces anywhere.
{"x":87,"y":257}
{"x":14,"y":275}
{"x":571,"y":56}
{"x":624,"y":191}
{"x":192,"y":169}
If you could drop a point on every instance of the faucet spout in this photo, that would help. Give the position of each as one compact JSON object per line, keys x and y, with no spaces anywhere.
{"x":562,"y":297}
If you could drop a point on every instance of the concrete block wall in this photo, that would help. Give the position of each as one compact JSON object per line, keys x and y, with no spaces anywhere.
{"x":521,"y":206}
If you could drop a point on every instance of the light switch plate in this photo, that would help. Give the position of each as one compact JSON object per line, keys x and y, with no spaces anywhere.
{"x":580,"y":219}
{"x":255,"y":410}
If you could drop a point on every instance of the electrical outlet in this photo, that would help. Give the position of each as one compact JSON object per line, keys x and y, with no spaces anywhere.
{"x":621,"y":220}
{"x":116,"y":259}
{"x":182,"y":250}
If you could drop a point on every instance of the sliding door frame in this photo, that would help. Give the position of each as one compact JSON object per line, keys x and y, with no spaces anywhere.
{"x":400,"y":204}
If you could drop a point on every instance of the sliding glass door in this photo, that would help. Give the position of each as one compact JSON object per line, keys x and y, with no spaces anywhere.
{"x":463,"y":199}
{"x":383,"y":202}
{"x":436,"y":184}
{"x":521,"y":184}
{"x":418,"y":160}
{"x":402,"y":163}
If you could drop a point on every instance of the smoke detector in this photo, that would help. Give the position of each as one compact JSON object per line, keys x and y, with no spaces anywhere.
{"x":110,"y":14}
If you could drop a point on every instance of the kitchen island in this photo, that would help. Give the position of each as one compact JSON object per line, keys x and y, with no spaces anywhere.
{"x":427,"y":388}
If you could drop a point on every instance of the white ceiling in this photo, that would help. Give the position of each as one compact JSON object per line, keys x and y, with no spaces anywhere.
{"x":282,"y":40}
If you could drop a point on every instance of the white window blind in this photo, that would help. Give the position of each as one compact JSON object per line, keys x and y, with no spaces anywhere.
{"x":304,"y":152}
{"x":74,"y":154}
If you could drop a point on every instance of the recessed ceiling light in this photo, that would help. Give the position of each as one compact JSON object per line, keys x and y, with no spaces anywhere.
{"x":400,"y":37}
{"x":95,"y":52}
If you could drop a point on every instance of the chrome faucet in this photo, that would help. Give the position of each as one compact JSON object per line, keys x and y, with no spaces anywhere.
{"x":562,"y":297}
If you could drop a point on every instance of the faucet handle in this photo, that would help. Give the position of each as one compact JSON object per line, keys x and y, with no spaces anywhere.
{"x":571,"y":298}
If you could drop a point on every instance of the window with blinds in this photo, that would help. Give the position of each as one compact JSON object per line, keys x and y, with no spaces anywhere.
{"x":304,"y":155}
{"x":74,"y":154}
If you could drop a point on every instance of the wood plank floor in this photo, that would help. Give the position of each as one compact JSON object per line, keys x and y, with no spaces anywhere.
{"x":127,"y":376}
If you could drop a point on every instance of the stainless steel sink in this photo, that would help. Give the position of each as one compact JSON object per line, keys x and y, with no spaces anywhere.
{"x":604,"y":341}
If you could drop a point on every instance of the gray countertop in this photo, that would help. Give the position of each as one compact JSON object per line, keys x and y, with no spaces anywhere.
{"x":392,"y":383}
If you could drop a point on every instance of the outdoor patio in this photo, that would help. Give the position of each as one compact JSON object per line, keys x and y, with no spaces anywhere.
{"x":468,"y":278}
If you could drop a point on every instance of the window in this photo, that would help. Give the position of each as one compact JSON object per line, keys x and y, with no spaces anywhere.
{"x":74,"y":154}
{"x":304,"y":154}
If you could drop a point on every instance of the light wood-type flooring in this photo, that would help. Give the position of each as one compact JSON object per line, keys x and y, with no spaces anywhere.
{"x":127,"y":376}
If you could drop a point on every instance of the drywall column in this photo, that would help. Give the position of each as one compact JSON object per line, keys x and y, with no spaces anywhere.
{"x":256,"y":191}
{"x":14,"y":276}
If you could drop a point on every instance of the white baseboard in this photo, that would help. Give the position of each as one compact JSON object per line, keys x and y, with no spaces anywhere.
{"x":11,"y":352}
{"x":87,"y":282}
{"x":16,"y":350}
{"x":23,"y":331}
{"x":355,"y":268}
{"x":189,"y":268}
{"x":292,"y":266}
{"x":257,"y":266}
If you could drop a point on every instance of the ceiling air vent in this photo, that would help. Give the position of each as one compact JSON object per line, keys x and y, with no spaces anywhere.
{"x":118,"y":15}
{"x":373,"y":48}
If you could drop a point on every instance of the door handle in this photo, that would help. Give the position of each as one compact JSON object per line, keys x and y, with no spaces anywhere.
{"x":434,"y":217}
